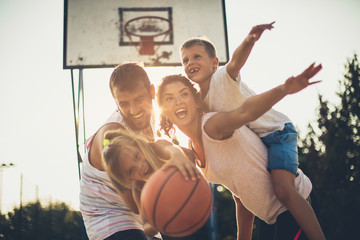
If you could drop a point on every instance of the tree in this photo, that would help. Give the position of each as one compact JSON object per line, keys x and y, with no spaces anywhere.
{"x":331,"y":158}
{"x":35,"y":222}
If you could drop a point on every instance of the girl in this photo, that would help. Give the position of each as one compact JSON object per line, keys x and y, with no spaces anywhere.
{"x":130,"y":159}
{"x":230,"y":154}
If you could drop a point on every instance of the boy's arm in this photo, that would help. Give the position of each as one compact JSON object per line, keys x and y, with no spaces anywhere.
{"x":242,"y":52}
{"x":223,"y":124}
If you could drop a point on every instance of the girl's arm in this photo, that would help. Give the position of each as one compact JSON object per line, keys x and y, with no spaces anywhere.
{"x":244,"y":219}
{"x":127,"y":196}
{"x":223,"y":124}
{"x":149,"y":229}
{"x":177,"y":158}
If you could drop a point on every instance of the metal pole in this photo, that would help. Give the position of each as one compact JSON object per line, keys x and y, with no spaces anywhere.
{"x":76,"y":123}
{"x":212,"y":220}
{"x":81,"y":92}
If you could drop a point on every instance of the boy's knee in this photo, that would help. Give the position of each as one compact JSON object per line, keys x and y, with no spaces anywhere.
{"x":283,"y":193}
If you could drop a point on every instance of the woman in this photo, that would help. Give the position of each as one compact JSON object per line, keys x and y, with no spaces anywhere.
{"x":228,"y":153}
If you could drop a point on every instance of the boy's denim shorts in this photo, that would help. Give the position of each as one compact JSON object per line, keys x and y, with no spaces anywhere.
{"x":282,"y":149}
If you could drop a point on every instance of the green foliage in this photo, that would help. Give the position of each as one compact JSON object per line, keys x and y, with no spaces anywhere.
{"x":225,"y":210}
{"x":225,"y":215}
{"x":331,"y":158}
{"x":36,"y":222}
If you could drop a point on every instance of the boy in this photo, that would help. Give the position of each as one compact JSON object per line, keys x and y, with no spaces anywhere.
{"x":222,"y":90}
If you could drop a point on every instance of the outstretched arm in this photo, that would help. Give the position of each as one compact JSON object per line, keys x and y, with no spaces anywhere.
{"x":176,"y":157}
{"x":223,"y":124}
{"x":242,"y":52}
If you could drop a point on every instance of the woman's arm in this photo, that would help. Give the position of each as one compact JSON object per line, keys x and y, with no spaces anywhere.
{"x":244,"y":219}
{"x":223,"y":124}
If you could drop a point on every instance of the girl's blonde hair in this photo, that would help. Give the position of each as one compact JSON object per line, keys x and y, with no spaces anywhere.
{"x":116,"y":141}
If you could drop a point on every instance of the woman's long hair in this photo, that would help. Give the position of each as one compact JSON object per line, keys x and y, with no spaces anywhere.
{"x":165,"y":124}
{"x":116,"y":141}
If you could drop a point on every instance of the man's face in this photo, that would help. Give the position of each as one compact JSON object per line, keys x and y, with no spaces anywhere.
{"x":136,"y":105}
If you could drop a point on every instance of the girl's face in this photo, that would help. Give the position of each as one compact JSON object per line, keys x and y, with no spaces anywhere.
{"x":134,"y":165}
{"x":179,"y":104}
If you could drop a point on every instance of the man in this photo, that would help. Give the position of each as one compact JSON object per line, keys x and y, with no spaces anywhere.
{"x":107,"y":213}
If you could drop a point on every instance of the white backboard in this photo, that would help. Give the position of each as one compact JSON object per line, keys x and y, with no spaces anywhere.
{"x":94,"y":34}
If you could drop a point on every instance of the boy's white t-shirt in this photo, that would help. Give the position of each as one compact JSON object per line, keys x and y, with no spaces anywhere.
{"x":227,"y":94}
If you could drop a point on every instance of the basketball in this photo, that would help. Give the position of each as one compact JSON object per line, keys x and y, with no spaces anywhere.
{"x":175,"y":206}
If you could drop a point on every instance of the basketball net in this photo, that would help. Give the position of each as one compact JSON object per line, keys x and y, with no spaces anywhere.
{"x":147,"y":46}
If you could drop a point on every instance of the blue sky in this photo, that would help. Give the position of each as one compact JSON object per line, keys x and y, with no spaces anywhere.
{"x":37,"y":125}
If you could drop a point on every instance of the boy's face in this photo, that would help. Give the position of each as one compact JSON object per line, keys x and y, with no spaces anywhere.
{"x":198,"y":66}
{"x":136,"y":106}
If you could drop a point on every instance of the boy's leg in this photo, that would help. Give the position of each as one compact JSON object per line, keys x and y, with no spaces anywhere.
{"x":283,"y":162}
{"x":285,"y":191}
{"x":286,"y":226}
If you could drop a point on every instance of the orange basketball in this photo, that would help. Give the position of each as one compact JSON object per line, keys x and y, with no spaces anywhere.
{"x":175,"y":206}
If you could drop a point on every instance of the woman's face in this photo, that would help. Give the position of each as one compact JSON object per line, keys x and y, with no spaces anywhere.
{"x":134,"y":165}
{"x":179,"y":104}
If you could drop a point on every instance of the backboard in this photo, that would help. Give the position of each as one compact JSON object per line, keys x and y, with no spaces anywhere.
{"x":105,"y":33}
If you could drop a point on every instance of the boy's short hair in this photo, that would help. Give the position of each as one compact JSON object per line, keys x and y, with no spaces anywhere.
{"x":207,"y":44}
{"x":127,"y":76}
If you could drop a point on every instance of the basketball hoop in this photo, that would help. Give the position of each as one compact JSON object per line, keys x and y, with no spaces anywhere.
{"x":147,"y":28}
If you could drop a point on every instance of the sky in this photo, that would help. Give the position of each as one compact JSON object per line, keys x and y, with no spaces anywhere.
{"x":37,"y":124}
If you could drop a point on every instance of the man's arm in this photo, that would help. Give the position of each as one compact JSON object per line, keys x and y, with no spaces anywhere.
{"x":96,"y":160}
{"x":242,"y":52}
